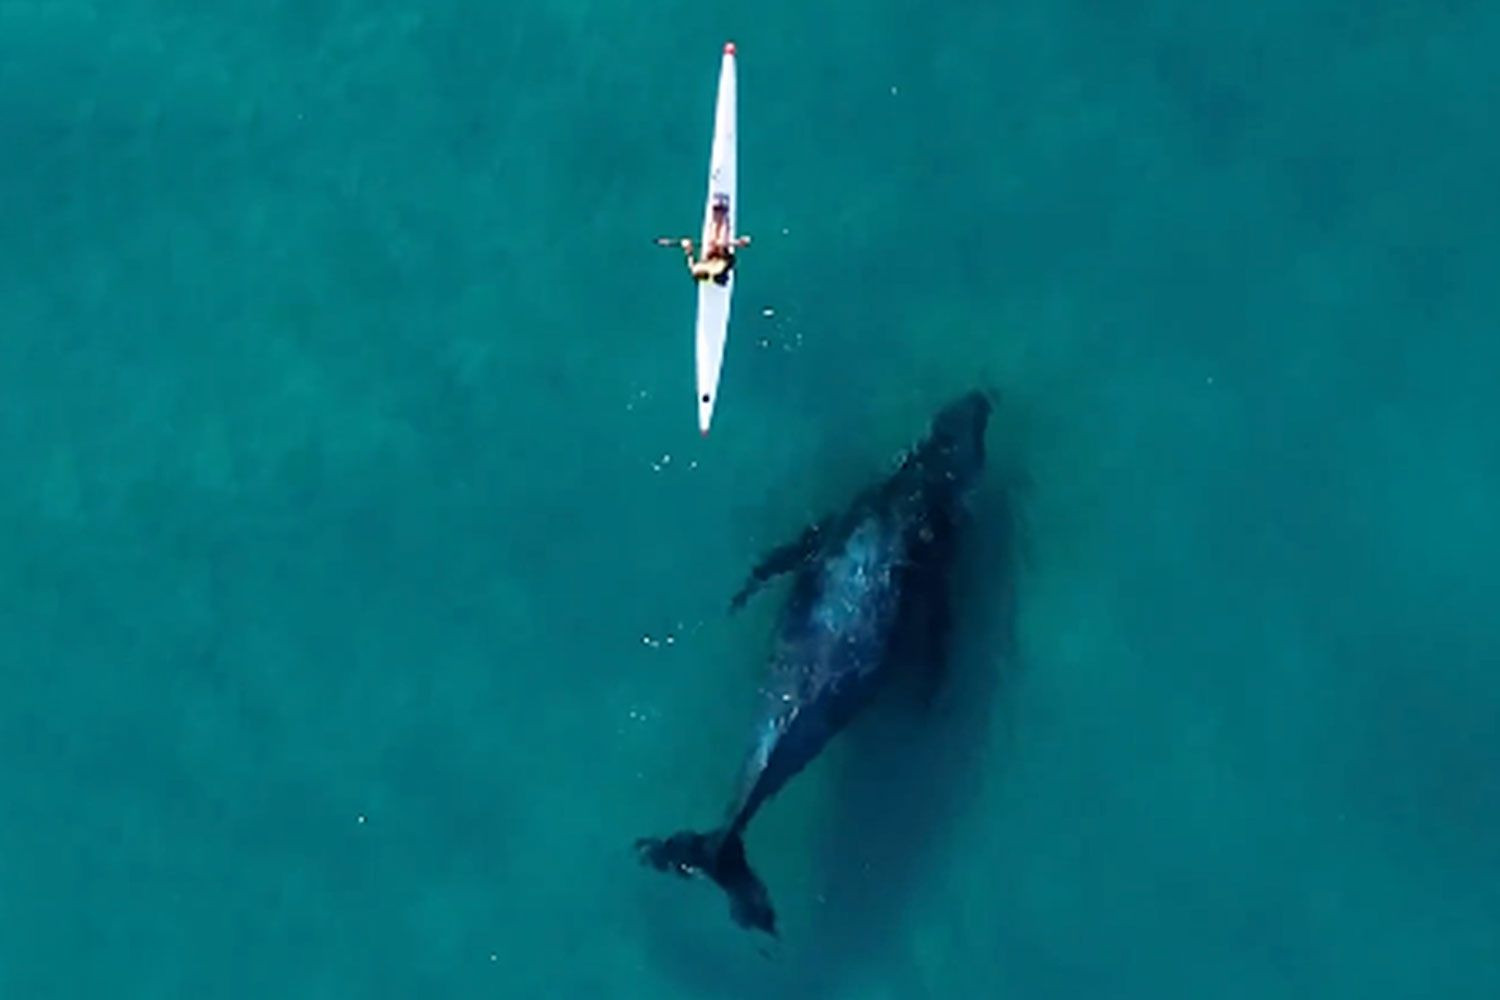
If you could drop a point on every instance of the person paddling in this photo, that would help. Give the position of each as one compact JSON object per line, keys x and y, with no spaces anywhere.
{"x":718,"y":254}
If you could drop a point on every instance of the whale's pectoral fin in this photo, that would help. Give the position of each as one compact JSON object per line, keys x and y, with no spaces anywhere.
{"x":782,"y":559}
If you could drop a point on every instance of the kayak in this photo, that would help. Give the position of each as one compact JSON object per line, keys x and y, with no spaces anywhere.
{"x":713,"y":298}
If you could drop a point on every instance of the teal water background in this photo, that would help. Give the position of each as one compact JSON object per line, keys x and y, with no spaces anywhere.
{"x":353,"y":494}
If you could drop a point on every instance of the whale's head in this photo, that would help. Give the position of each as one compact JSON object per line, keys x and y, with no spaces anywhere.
{"x":953,"y":454}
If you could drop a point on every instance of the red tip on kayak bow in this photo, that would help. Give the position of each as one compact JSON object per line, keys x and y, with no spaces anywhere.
{"x":729,"y":48}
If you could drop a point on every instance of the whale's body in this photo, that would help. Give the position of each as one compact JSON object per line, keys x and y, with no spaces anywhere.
{"x":869,"y":586}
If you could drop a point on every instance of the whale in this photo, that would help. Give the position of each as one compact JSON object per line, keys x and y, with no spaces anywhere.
{"x":869,"y":593}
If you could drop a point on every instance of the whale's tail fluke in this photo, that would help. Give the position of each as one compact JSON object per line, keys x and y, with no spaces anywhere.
{"x":721,"y":857}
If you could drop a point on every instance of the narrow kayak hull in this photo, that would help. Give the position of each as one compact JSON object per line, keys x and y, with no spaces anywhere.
{"x":714,"y":299}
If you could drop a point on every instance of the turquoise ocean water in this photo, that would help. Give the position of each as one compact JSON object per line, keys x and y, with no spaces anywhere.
{"x":365,"y":575}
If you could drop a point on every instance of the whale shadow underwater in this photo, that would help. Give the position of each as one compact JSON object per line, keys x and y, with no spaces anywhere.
{"x":863,"y":643}
{"x":908,"y":771}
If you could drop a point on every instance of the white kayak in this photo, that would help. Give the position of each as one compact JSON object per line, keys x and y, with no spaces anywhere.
{"x":713,"y":298}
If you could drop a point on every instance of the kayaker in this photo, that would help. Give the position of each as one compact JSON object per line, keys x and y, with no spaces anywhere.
{"x":718,"y":255}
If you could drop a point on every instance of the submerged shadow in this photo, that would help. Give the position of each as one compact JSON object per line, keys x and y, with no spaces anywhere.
{"x":908,"y":773}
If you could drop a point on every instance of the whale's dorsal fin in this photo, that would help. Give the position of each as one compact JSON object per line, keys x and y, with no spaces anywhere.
{"x":782,"y":559}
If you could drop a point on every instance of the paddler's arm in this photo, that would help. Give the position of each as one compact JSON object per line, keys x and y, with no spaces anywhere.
{"x":684,"y":242}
